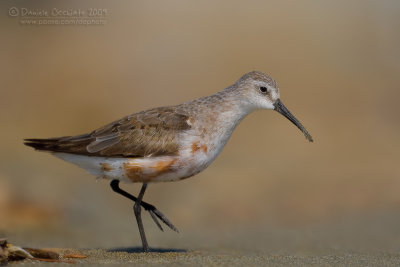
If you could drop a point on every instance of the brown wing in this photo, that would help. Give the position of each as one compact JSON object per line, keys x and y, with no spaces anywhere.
{"x":151,"y":132}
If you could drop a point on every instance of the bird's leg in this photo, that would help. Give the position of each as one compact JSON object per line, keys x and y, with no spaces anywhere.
{"x":154,"y":212}
{"x":138,"y":210}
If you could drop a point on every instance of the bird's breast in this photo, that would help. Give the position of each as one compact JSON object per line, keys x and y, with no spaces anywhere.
{"x":199,"y":148}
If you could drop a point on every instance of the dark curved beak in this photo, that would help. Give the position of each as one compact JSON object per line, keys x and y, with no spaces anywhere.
{"x":285,"y":112}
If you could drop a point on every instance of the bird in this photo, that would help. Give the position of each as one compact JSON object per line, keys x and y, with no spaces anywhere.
{"x":169,"y":143}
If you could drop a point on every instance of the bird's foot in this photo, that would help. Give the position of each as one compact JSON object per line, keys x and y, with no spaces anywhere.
{"x":155,"y":213}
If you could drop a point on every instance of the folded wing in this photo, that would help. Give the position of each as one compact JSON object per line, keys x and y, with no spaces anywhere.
{"x":152,"y":132}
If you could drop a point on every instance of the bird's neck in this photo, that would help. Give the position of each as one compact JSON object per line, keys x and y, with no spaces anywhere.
{"x":222,"y":112}
{"x":231,"y":106}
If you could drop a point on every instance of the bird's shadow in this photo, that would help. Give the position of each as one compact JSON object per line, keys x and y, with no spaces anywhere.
{"x":140,"y":250}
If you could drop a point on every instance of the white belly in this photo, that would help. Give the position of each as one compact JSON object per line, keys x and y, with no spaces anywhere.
{"x":148,"y":169}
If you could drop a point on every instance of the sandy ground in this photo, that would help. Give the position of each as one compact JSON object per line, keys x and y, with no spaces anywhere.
{"x":229,"y":258}
{"x":359,"y":241}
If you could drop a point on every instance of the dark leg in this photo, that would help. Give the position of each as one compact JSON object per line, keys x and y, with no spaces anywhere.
{"x":155,"y":213}
{"x":138,"y":210}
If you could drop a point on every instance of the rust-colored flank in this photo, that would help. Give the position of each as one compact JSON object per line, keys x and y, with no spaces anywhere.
{"x":133,"y":171}
{"x":137,"y":173}
{"x":196,"y":147}
{"x":164,"y":166}
{"x":105,"y":167}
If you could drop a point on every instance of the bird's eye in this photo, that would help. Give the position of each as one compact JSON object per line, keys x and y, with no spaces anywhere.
{"x":263,"y":89}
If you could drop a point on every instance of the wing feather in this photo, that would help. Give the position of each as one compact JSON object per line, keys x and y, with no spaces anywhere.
{"x":151,"y":132}
{"x":102,"y":142}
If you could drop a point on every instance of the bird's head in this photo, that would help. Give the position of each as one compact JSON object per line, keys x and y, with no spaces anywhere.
{"x":260,"y":91}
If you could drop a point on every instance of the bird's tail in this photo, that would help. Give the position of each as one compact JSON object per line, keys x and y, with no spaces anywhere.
{"x":69,"y":144}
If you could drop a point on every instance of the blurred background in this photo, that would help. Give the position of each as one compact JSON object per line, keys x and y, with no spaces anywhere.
{"x":337,"y":64}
